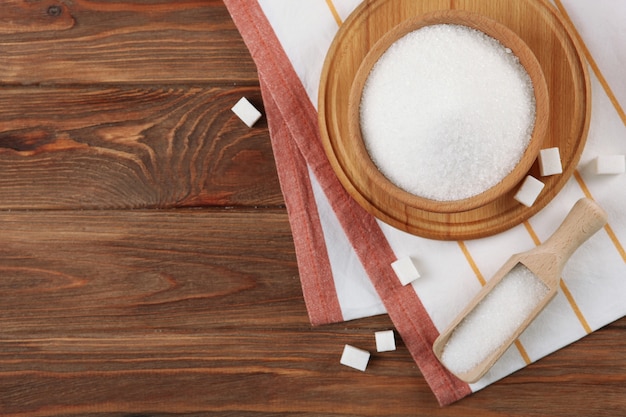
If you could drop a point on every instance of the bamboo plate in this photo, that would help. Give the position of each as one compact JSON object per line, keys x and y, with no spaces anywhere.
{"x":549,"y":37}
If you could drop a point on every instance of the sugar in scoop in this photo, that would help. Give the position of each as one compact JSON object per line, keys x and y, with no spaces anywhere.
{"x":513,"y":297}
{"x":494,"y":320}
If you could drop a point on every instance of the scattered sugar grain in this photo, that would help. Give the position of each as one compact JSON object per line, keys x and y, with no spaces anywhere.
{"x":355,"y":358}
{"x":447,"y":112}
{"x":494,"y":320}
{"x":529,"y":191}
{"x":385,"y":341}
{"x":246,"y":112}
{"x":610,"y":164}
{"x":550,"y":162}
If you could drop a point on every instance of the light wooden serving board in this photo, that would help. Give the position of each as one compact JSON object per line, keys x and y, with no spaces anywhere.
{"x":550,"y":38}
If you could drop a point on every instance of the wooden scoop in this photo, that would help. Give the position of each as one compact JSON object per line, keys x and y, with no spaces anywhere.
{"x":546,"y":262}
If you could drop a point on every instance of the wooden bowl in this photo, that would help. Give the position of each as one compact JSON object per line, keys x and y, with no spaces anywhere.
{"x":388,"y":197}
{"x":552,"y":39}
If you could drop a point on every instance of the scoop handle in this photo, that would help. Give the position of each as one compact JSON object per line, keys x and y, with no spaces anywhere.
{"x":583,"y":220}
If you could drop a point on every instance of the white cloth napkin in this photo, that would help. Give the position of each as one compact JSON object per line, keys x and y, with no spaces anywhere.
{"x":344,"y":254}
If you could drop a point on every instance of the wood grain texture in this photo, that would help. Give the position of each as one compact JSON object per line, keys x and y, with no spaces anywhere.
{"x":147,"y":267}
{"x":117,"y":272}
{"x":93,"y":42}
{"x":132,"y":147}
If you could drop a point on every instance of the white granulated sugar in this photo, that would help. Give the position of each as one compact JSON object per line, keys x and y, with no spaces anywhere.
{"x":494,"y":320}
{"x":447,"y":112}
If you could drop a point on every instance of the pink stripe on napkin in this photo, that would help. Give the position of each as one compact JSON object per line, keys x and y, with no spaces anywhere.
{"x":316,"y":278}
{"x":297,"y":147}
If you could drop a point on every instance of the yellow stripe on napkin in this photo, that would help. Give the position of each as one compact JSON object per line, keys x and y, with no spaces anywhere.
{"x":334,"y":12}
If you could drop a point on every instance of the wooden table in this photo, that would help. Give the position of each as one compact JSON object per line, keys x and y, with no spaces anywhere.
{"x":147,"y":266}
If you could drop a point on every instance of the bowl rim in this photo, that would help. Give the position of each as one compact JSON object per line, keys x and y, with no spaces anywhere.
{"x":377,"y":189}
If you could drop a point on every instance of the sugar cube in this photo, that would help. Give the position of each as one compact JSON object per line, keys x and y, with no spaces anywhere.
{"x":385,"y":341}
{"x":406,"y":270}
{"x":610,"y":164}
{"x":355,"y":358}
{"x":550,"y":162}
{"x":529,"y":191}
{"x":246,"y":112}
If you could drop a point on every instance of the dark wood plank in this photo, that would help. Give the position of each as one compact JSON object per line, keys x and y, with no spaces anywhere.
{"x":200,"y":312}
{"x":239,"y":372}
{"x":132,"y":147}
{"x":113,"y":272}
{"x":156,"y":41}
